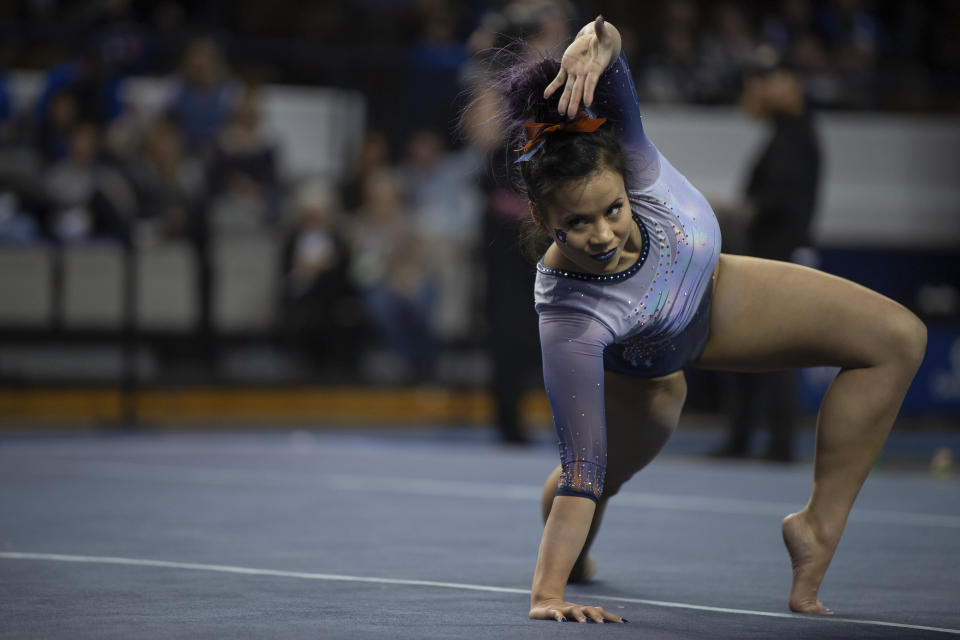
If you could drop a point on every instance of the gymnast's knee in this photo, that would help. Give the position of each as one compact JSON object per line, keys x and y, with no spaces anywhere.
{"x":618,"y":475}
{"x":906,"y":342}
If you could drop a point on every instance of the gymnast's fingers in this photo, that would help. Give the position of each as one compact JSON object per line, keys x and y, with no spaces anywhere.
{"x":612,"y":617}
{"x":588,"y":87}
{"x":548,"y":612}
{"x":598,"y":615}
{"x":579,"y":614}
{"x":556,"y":84}
{"x":593,"y":614}
{"x":565,"y":97}
{"x":576,"y":93}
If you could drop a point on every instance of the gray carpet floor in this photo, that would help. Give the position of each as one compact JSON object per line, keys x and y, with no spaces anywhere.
{"x":433,"y":534}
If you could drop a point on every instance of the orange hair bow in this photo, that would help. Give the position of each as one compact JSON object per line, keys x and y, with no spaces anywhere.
{"x":535,"y":132}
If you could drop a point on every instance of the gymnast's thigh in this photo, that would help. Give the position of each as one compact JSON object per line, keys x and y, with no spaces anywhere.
{"x":641,"y":413}
{"x":769,"y":315}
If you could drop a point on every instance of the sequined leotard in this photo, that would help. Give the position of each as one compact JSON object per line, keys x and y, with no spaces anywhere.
{"x":646,"y":321}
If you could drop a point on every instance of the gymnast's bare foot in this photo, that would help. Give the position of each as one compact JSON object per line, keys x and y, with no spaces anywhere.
{"x":810,"y":557}
{"x":583,"y":571}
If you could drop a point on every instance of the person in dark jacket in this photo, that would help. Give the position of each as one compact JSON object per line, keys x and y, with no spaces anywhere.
{"x":780,"y":197}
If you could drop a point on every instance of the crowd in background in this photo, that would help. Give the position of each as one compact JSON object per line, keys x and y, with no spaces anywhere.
{"x":874,"y":54}
{"x":391,"y":250}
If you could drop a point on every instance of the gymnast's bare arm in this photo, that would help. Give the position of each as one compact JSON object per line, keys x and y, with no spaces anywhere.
{"x":563,"y":537}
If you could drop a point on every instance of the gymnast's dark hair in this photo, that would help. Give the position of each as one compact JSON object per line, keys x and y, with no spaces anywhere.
{"x":564,"y":156}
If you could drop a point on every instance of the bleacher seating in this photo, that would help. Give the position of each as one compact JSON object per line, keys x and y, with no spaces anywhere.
{"x":93,"y":285}
{"x":246,"y":275}
{"x":26,"y":286}
{"x":167,"y":287}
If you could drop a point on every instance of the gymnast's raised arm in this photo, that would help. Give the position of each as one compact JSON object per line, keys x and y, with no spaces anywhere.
{"x":594,"y":57}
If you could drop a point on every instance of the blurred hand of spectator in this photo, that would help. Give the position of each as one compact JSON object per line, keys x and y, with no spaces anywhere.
{"x":315,"y":245}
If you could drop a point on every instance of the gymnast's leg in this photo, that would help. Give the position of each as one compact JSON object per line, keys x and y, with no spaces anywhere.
{"x":641,"y":413}
{"x":772,"y":315}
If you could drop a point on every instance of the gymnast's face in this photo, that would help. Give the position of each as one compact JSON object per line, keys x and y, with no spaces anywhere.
{"x":591,"y":225}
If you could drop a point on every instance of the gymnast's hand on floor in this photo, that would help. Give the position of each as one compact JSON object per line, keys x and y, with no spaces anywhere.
{"x":567,"y":611}
{"x":597,"y":44}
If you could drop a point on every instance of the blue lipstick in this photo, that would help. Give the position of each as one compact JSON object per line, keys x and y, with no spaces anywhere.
{"x":603,"y":257}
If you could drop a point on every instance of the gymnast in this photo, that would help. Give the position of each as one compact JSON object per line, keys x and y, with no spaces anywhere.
{"x":633,"y":287}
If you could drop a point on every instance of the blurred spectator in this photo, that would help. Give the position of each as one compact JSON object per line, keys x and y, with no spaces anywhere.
{"x":852,"y":33}
{"x":511,"y":338}
{"x":833,"y":44}
{"x":785,"y":22}
{"x":374,"y":156}
{"x":824,"y":87}
{"x":434,"y":59}
{"x":445,"y":205}
{"x":319,"y":303}
{"x":6,"y":106}
{"x":782,"y":188}
{"x":53,"y":128}
{"x":169,"y":184}
{"x":390,"y":268}
{"x":119,"y":40}
{"x":541,"y":26}
{"x":94,"y":84}
{"x":89,"y":197}
{"x":243,"y":168}
{"x":890,"y":54}
{"x":85,"y":88}
{"x":671,"y":72}
{"x":780,"y":197}
{"x":852,"y":30}
{"x":205,"y":94}
{"x":16,"y":225}
{"x":551,"y":26}
{"x":727,"y":45}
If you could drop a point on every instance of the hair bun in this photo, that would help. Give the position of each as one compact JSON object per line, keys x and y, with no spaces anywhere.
{"x":522,"y":88}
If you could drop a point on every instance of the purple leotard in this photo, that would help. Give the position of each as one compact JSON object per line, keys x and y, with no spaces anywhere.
{"x":646,"y":321}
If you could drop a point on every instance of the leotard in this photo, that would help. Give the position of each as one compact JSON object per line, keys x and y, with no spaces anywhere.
{"x":646,"y":321}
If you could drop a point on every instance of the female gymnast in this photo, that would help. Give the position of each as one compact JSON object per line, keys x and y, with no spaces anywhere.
{"x":633,"y":288}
